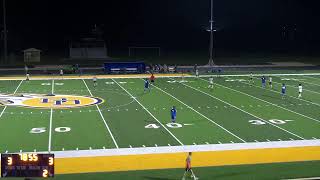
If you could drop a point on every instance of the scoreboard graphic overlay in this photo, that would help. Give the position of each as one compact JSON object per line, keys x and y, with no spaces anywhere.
{"x":27,"y":165}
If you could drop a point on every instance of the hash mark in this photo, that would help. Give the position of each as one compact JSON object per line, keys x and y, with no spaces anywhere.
{"x":169,"y":145}
{"x":256,"y":140}
{"x":219,"y":142}
{"x":130,"y":146}
{"x":268,"y":140}
{"x":156,"y":145}
{"x":279,"y":139}
{"x":194,"y":144}
{"x":104,"y":147}
{"x":77,"y":149}
{"x":207,"y":143}
{"x":62,"y":149}
{"x":314,"y":138}
{"x":232,"y":142}
{"x":143,"y":146}
{"x":291,"y":139}
{"x":90,"y":148}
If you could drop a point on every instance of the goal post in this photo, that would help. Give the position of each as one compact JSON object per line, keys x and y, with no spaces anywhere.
{"x":132,"y":49}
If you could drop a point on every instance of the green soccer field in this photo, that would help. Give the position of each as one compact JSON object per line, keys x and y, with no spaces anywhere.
{"x":234,"y":111}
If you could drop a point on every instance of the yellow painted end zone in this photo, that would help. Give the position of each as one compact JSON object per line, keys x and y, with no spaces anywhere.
{"x":177,"y":160}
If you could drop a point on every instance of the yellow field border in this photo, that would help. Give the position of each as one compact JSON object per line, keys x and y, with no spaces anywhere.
{"x":177,"y":160}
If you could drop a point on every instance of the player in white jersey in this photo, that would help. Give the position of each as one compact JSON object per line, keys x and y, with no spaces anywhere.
{"x":210,"y":82}
{"x":197,"y":73}
{"x":300,"y":90}
{"x":270,"y":82}
{"x":94,"y":81}
{"x":27,"y":76}
{"x":251,"y":78}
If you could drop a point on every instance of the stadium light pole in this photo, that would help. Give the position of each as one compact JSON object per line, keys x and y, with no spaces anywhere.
{"x":5,"y":43}
{"x":211,"y":63}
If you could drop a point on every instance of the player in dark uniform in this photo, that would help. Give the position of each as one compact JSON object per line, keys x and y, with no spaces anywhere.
{"x":173,"y":113}
{"x":146,"y":85}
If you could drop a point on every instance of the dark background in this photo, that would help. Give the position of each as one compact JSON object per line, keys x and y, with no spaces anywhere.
{"x":268,"y":26}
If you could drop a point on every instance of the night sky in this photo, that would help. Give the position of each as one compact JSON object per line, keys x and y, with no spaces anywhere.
{"x":172,"y":24}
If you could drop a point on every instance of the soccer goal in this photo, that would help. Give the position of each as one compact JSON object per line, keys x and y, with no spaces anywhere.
{"x":144,"y":51}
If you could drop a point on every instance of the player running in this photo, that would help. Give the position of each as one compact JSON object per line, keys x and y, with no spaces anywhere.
{"x":173,"y":113}
{"x":188,"y":168}
{"x":270,"y":82}
{"x":263,"y":81}
{"x":300,"y":90}
{"x":146,"y":85}
{"x":94,"y":79}
{"x":197,"y":73}
{"x":283,"y":90}
{"x":210,"y":82}
{"x":152,"y":78}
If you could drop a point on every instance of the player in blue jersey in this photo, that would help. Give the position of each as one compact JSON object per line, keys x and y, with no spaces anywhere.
{"x":146,"y":85}
{"x":263,"y":81}
{"x":173,"y":113}
{"x":283,"y":90}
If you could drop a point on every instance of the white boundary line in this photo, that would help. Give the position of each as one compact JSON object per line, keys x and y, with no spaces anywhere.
{"x":265,"y":101}
{"x":309,"y":178}
{"x":187,"y":148}
{"x":242,"y":110}
{"x":149,"y":113}
{"x":105,"y":123}
{"x":50,"y":123}
{"x":200,"y":114}
{"x":5,"y":107}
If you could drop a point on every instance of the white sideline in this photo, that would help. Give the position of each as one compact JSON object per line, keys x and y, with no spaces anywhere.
{"x":309,"y":178}
{"x":105,"y":122}
{"x":147,"y":75}
{"x":188,"y":148}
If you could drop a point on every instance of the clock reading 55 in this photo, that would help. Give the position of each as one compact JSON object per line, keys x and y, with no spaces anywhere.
{"x":29,"y":157}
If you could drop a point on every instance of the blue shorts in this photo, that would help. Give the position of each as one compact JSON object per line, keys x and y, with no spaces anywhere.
{"x":173,"y":117}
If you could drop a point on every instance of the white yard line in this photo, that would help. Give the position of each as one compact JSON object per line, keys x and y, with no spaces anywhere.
{"x":243,"y":111}
{"x":50,"y":123}
{"x":105,"y":122}
{"x":296,"y":87}
{"x":265,"y":101}
{"x":279,"y":93}
{"x":13,"y":93}
{"x":149,"y":113}
{"x":200,"y":114}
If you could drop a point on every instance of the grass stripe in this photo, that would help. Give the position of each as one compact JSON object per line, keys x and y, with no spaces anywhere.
{"x":105,"y":123}
{"x":242,"y":110}
{"x":149,"y":113}
{"x":265,"y":101}
{"x":280,"y":93}
{"x":200,"y":114}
